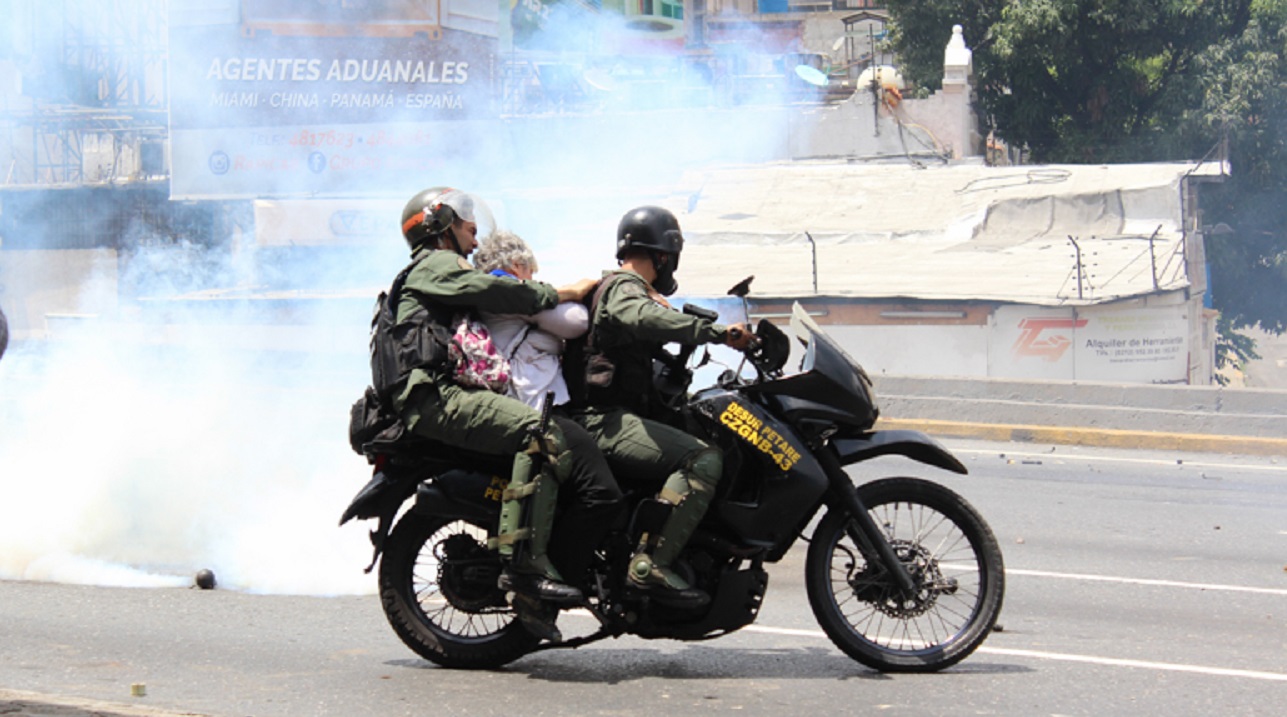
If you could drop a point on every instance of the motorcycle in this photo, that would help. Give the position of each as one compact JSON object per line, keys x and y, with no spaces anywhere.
{"x":902,"y":574}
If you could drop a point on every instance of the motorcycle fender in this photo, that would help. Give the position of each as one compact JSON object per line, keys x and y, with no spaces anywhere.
{"x":379,"y":498}
{"x":381,"y":495}
{"x":912,"y":444}
{"x":463,"y":495}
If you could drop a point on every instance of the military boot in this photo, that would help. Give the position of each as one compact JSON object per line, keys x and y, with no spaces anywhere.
{"x":650,"y":570}
{"x":529,"y":570}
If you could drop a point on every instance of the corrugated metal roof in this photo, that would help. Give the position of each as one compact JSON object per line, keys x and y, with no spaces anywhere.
{"x":952,"y":232}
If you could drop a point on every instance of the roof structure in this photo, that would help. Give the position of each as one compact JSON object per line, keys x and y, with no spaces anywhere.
{"x":950,"y":232}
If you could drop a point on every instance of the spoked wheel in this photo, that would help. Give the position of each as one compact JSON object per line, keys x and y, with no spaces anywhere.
{"x":954,"y":561}
{"x":438,"y":589}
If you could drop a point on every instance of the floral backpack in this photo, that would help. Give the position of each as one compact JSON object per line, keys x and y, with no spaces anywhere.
{"x":477,"y":362}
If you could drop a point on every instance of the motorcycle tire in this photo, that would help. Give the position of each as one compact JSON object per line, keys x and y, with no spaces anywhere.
{"x":953,"y":557}
{"x":438,"y":589}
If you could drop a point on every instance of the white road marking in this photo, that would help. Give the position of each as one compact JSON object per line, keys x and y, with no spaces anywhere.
{"x":1144,"y":664}
{"x":785,"y":631}
{"x":1074,"y":457}
{"x":1064,"y":657}
{"x":1145,"y":581}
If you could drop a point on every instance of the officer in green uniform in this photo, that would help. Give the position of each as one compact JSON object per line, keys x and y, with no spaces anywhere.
{"x":441,"y":227}
{"x":610,"y":376}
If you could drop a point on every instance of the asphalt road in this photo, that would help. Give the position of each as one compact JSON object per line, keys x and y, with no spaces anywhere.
{"x":1138,"y":584}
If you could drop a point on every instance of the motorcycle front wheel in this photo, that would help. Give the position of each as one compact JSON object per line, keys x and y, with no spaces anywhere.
{"x":438,"y":590}
{"x":952,"y":556}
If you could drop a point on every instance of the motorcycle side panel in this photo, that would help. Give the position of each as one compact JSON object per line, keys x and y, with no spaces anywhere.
{"x":461,"y":494}
{"x":778,"y":485}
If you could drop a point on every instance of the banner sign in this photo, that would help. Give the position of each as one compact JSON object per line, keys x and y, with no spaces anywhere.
{"x":374,"y":98}
{"x":290,"y":98}
{"x":1100,"y":343}
{"x":274,"y":81}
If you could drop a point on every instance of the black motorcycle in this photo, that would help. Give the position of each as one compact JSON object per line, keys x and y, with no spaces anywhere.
{"x":902,"y":574}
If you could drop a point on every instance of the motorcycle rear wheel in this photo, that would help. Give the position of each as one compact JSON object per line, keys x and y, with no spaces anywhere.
{"x":953,"y":557}
{"x":438,"y":589}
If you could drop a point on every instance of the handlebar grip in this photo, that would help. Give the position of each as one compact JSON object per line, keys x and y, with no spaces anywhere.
{"x":735,"y":334}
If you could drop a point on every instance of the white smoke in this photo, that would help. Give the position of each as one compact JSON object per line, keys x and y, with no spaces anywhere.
{"x":175,"y":428}
{"x":138,"y":451}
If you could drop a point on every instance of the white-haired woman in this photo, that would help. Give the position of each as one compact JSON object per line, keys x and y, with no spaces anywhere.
{"x":533,"y":344}
{"x":534,"y":347}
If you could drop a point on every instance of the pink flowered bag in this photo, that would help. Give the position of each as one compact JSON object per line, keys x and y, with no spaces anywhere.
{"x":478,"y":364}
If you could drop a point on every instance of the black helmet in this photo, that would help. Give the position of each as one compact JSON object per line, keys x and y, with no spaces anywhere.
{"x":656,"y":230}
{"x":432,"y":211}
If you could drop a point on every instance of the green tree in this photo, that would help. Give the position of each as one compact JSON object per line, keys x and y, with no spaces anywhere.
{"x":1141,"y":80}
{"x":1244,"y":96}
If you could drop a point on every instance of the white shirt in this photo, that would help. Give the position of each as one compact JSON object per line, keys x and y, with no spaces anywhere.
{"x":534,"y":346}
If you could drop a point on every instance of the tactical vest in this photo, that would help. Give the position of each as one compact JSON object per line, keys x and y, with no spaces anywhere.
{"x":600,"y":372}
{"x":397,"y":348}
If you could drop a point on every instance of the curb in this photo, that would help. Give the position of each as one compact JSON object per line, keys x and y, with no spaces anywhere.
{"x":1101,"y":437}
{"x":17,"y":703}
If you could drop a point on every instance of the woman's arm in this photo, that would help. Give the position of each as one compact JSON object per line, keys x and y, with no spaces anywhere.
{"x":566,"y":321}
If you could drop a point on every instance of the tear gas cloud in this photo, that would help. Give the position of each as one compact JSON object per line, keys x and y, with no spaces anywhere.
{"x":165,"y":430}
{"x":137,"y":450}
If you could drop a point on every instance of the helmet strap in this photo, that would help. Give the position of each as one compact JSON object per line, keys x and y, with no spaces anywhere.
{"x":451,"y":234}
{"x":435,"y":240}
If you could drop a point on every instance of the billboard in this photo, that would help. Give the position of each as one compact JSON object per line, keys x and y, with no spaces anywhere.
{"x":288,"y":99}
{"x":308,"y":98}
{"x":1118,"y":344}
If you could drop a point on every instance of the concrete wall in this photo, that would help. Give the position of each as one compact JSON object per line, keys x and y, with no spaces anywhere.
{"x":1149,"y":340}
{"x":1199,"y":410}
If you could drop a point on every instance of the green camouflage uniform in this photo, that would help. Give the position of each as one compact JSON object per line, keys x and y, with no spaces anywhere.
{"x":630,"y":326}
{"x":432,"y":405}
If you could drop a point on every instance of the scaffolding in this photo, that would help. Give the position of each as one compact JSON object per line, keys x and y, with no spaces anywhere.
{"x":89,"y":105}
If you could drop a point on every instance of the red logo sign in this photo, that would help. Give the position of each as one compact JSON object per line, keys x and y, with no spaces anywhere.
{"x":1052,"y":346}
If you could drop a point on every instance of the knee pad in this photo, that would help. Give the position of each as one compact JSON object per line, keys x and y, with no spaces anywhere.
{"x":705,"y":469}
{"x":699,"y":475}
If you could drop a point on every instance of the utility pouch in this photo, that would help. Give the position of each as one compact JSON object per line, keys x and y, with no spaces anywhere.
{"x":599,"y":371}
{"x":372,"y":425}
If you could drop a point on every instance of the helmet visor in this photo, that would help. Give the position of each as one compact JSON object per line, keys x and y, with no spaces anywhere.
{"x":471,"y":208}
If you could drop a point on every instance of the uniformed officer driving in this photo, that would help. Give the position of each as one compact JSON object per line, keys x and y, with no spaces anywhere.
{"x":630,"y":321}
